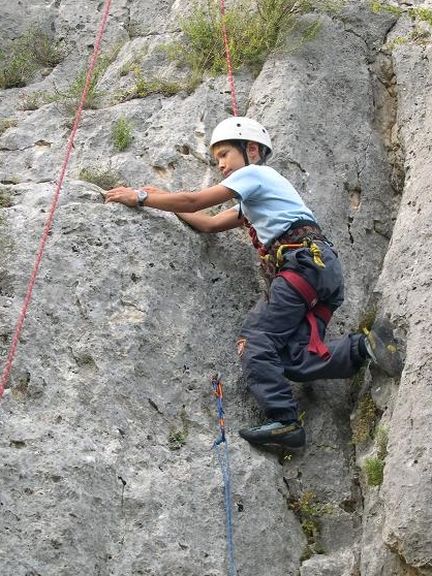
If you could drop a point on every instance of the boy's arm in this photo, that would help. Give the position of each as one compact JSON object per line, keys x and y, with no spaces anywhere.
{"x":175,"y":202}
{"x":203,"y":222}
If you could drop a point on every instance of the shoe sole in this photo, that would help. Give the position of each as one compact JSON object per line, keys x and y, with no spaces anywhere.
{"x":294,"y":439}
{"x":385,"y":355}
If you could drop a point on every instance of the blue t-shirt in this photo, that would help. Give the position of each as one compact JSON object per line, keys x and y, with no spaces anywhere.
{"x":268,"y":200}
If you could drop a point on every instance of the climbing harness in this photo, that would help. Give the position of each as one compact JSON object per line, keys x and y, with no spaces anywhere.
{"x":48,"y":225}
{"x":223,"y":459}
{"x":301,"y":236}
{"x":316,"y":310}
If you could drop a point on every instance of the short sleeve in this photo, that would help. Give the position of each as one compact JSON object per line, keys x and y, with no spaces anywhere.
{"x":244,"y":182}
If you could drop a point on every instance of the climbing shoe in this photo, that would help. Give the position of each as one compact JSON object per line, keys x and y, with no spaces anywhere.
{"x":382,"y":348}
{"x":275,"y":434}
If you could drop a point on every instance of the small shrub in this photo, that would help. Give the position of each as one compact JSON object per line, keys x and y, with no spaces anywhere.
{"x":422,"y":14}
{"x":6,"y":123}
{"x":73,"y":95}
{"x":308,"y":510}
{"x":364,"y":420}
{"x":252,"y":34}
{"x":419,"y":15}
{"x":104,"y":178}
{"x":374,"y":470}
{"x":176,"y":439}
{"x":71,"y":98}
{"x":378,"y":6}
{"x":144,"y":88}
{"x":34,"y":100}
{"x":16,"y":69}
{"x":24,"y":56}
{"x":46,"y":52}
{"x":122,"y":134}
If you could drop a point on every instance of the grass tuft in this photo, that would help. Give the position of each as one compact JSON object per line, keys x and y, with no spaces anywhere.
{"x":374,"y":470}
{"x":144,"y":88}
{"x":252,"y":33}
{"x":420,"y":16}
{"x":122,"y":134}
{"x":6,"y":123}
{"x":177,"y":437}
{"x":24,"y":56}
{"x":308,"y":510}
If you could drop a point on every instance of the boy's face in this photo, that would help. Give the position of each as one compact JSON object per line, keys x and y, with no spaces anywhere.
{"x":228,"y":158}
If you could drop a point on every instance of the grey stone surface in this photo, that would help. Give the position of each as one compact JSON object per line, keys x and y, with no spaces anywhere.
{"x":133,"y":312}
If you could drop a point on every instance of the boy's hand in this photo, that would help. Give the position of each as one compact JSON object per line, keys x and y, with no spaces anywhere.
{"x":127,"y":196}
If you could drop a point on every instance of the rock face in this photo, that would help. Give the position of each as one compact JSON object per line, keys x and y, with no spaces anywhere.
{"x":108,"y":420}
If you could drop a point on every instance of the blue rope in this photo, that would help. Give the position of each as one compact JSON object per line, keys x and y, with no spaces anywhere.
{"x":224,"y":463}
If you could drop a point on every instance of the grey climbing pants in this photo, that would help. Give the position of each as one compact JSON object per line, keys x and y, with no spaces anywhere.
{"x":275,"y":336}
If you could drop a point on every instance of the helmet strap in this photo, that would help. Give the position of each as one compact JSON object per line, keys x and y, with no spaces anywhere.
{"x":243,"y":146}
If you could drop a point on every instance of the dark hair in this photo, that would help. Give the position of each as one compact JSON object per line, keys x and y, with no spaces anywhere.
{"x":264,"y":151}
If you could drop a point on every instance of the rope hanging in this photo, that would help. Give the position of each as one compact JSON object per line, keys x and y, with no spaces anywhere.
{"x":221,"y":447}
{"x":47,"y":228}
{"x":221,"y":443}
{"x":228,"y":59}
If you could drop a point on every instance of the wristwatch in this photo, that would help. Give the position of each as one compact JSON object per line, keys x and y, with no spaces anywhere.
{"x":141,"y":197}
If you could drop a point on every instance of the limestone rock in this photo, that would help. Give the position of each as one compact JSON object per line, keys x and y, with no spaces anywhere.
{"x":108,"y":420}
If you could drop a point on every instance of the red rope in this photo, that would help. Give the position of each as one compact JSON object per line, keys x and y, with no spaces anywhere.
{"x":54,"y":203}
{"x":228,"y":59}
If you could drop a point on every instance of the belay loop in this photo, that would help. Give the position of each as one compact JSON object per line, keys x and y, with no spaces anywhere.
{"x":306,"y":243}
{"x":221,"y":447}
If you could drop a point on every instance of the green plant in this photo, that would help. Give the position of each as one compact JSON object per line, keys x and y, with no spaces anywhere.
{"x":378,"y":6}
{"x":72,"y":96}
{"x":102,"y":177}
{"x":6,"y":123}
{"x":364,"y":420}
{"x":122,"y":134}
{"x":308,"y":510}
{"x":420,"y":16}
{"x":252,"y":33}
{"x":24,"y":56}
{"x":144,"y":88}
{"x":374,"y":470}
{"x":45,"y":51}
{"x":177,"y":437}
{"x":34,"y":100}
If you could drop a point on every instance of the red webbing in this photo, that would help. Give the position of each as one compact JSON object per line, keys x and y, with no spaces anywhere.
{"x":229,"y":63}
{"x":50,"y":218}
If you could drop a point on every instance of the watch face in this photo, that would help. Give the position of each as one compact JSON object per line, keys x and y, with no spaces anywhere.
{"x":141,"y":195}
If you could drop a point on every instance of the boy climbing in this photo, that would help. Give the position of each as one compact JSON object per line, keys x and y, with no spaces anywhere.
{"x":282,"y":336}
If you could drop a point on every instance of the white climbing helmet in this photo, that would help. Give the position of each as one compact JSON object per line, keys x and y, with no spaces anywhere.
{"x":241,"y":128}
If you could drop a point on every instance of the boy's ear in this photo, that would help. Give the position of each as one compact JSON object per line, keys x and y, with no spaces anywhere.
{"x":252,"y":148}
